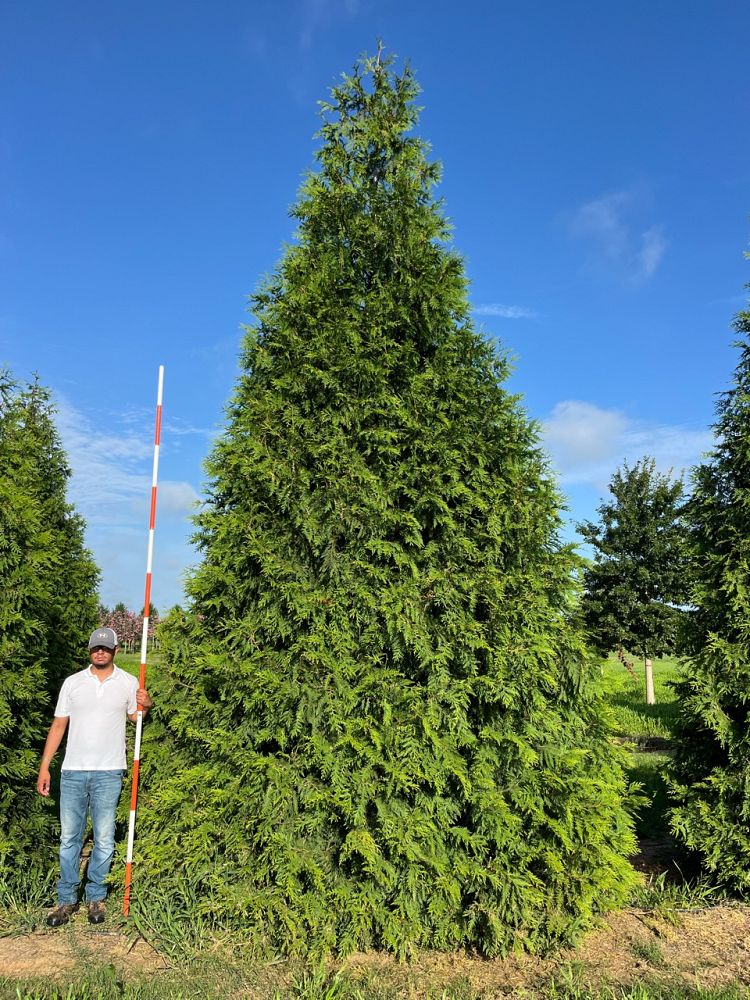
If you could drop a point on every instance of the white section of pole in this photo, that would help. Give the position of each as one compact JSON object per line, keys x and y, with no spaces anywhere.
{"x":144,"y":646}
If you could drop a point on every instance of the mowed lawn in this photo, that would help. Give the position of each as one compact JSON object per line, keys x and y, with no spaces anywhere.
{"x":132,"y":663}
{"x":626,"y":694}
{"x":647,"y":731}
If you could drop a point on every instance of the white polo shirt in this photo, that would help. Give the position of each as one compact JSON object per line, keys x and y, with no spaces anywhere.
{"x":98,"y":713}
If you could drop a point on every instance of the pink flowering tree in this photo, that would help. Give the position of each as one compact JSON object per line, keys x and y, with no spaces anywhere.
{"x":129,"y":626}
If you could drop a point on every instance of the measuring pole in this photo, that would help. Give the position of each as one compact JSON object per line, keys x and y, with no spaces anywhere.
{"x":144,"y":650}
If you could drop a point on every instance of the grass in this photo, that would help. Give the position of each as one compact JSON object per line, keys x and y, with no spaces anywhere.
{"x":106,"y":984}
{"x":648,"y":991}
{"x":626,"y":695}
{"x":25,"y":899}
{"x":173,"y":925}
{"x":647,"y":770}
{"x":647,"y":730}
{"x":649,"y":951}
{"x":667,"y":897}
{"x":132,"y":661}
{"x":201,"y":963}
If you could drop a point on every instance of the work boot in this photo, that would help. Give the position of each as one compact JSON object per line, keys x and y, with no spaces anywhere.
{"x":61,"y":914}
{"x":97,"y":912}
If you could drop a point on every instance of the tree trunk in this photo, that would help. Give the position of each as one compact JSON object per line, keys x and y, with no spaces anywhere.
{"x":650,"y":698}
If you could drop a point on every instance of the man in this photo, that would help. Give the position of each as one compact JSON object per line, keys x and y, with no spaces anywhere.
{"x":95,"y":701}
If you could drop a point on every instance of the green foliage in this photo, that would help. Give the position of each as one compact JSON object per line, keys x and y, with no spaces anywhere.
{"x":711,"y":776}
{"x":380,"y":729}
{"x":639,"y":571}
{"x":47,"y":603}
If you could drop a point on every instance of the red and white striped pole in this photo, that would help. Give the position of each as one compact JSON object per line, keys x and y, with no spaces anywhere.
{"x":144,"y":650}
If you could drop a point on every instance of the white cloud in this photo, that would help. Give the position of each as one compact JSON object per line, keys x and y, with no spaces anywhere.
{"x":602,"y":221}
{"x":316,"y":13}
{"x":110,"y":486}
{"x":580,"y":434}
{"x":587,"y":443}
{"x":653,"y":248}
{"x":505,"y":312}
{"x":607,"y":225}
{"x":177,"y":498}
{"x":179,"y":428}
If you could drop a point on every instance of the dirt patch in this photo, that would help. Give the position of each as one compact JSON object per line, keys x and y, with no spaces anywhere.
{"x":706,"y":948}
{"x":709,"y":947}
{"x":52,"y":952}
{"x":658,"y":856}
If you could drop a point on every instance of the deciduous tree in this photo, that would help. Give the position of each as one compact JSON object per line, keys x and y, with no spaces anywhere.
{"x":639,"y":580}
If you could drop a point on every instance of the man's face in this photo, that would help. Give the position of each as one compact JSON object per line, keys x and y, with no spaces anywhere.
{"x":102,"y":657}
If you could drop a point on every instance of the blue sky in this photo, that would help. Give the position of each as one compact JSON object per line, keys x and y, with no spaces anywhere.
{"x":596,"y":172}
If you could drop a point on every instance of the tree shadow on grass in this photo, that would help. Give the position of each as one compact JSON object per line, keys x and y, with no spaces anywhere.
{"x":659,"y":854}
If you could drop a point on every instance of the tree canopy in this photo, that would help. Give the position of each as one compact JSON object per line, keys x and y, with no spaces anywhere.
{"x":48,"y":603}
{"x":711,"y":771}
{"x":639,"y":578}
{"x":381,"y":730}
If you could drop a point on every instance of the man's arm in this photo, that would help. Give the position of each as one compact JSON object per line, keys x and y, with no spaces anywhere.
{"x":53,"y":741}
{"x":143,"y":700}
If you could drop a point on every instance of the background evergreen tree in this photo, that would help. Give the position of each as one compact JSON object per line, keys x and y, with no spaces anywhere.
{"x":379,"y":728}
{"x":711,"y":772}
{"x":640,"y":570}
{"x":48,"y":604}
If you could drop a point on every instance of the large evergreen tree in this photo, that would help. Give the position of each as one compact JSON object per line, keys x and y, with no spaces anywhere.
{"x":711,"y":772}
{"x":48,"y":603}
{"x":379,"y":728}
{"x":639,"y":576}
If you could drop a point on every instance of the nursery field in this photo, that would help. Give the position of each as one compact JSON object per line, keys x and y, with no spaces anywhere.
{"x":132,"y":662}
{"x":679,"y":938}
{"x":646,"y":731}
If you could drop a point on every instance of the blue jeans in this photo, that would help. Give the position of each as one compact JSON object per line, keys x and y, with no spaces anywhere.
{"x":82,"y":794}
